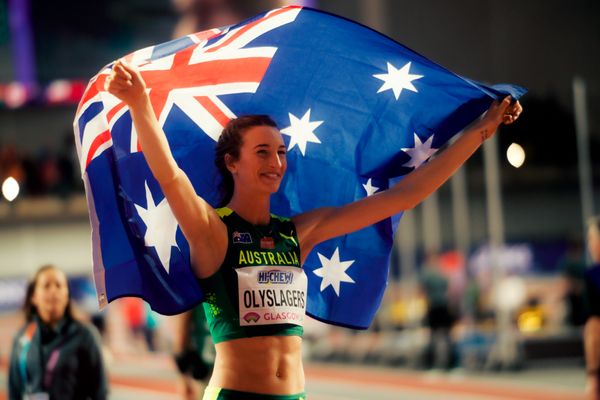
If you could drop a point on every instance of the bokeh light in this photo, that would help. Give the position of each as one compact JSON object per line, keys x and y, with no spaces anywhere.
{"x":515,"y":155}
{"x":10,"y":188}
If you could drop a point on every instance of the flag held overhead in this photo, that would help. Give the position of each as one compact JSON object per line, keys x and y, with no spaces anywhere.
{"x":356,"y":110}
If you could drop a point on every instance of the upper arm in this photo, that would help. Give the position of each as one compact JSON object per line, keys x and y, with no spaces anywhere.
{"x":322,"y":224}
{"x":201,"y":225}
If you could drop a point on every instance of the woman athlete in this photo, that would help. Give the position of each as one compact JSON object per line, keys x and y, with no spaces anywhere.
{"x":265,"y":361}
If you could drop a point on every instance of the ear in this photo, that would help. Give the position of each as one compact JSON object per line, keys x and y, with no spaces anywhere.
{"x":230,"y":164}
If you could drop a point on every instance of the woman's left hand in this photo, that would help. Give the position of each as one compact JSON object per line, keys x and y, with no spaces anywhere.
{"x":503,"y":112}
{"x":500,"y":112}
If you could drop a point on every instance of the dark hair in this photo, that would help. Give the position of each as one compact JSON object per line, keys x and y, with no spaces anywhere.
{"x":230,"y":142}
{"x":28,"y":308}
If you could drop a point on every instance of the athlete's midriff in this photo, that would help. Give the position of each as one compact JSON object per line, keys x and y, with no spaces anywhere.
{"x":262,"y":364}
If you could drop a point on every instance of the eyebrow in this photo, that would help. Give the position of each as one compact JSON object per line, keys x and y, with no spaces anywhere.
{"x":266,"y":145}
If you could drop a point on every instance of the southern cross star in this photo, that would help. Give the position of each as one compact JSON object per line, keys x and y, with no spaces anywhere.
{"x":397,"y":79}
{"x":369,"y":188}
{"x":333,"y":271}
{"x":301,"y":131}
{"x":420,"y":152}
{"x":161,"y":227}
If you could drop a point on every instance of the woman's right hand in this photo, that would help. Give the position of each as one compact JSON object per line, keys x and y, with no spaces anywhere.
{"x":126,"y":83}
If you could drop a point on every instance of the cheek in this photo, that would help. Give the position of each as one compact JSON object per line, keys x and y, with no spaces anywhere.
{"x":63,"y":294}
{"x":35,"y":299}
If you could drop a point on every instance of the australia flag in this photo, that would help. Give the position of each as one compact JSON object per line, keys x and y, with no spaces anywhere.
{"x":356,"y":109}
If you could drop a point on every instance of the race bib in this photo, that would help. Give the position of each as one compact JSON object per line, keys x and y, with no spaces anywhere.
{"x":271,"y":295}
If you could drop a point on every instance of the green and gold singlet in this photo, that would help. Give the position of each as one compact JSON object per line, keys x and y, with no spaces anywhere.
{"x":260,"y":289}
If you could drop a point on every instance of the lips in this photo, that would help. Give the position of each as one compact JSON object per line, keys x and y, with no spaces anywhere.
{"x":271,"y":175}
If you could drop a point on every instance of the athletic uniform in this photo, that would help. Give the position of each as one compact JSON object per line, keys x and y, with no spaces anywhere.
{"x":259,"y":290}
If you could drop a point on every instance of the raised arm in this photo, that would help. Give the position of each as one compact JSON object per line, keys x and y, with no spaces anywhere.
{"x":322,"y":224}
{"x":202,"y":227}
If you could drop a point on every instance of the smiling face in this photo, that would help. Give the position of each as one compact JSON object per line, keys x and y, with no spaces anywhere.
{"x":262,"y":161}
{"x":50,"y":295}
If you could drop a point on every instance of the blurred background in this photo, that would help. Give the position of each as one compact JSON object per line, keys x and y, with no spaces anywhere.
{"x":486,"y":279}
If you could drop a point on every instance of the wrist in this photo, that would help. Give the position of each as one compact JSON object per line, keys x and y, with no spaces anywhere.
{"x":140,"y":102}
{"x":485,"y":130}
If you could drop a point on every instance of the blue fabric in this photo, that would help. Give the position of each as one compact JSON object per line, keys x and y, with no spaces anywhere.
{"x":322,"y":71}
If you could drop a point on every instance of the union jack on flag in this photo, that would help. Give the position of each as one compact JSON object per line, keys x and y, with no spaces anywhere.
{"x":356,"y":109}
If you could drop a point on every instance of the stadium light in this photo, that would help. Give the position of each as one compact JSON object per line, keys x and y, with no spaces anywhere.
{"x":515,"y":155}
{"x":10,"y":188}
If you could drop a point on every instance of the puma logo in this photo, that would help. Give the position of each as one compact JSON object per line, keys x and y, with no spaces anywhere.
{"x":290,"y":238}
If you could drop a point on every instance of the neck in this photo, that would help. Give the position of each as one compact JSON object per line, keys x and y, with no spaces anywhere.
{"x":257,"y":211}
{"x":49,"y":320}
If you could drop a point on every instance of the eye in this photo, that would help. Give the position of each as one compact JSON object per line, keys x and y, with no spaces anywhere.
{"x":282,"y":152}
{"x":262,"y":152}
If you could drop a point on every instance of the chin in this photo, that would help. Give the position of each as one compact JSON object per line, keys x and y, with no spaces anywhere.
{"x":271,"y":187}
{"x":275,"y":188}
{"x":56,"y":314}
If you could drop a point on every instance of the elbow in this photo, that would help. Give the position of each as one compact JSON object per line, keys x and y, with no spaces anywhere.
{"x":168,"y":178}
{"x":409,"y":193}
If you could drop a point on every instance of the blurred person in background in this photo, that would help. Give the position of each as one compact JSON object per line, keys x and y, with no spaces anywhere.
{"x":440,"y":316}
{"x":573,"y":270}
{"x":190,"y":347}
{"x":134,"y":312}
{"x":265,"y":361}
{"x":54,"y":356}
{"x":151,"y":325}
{"x":592,"y":326}
{"x":200,"y":15}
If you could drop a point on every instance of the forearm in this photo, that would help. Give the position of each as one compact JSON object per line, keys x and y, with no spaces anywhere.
{"x":324,"y":223}
{"x":592,"y":344}
{"x":315,"y":227}
{"x":425,"y":180}
{"x":153,"y":142}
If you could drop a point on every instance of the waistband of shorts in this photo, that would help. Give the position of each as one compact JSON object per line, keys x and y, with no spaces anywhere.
{"x":217,"y":393}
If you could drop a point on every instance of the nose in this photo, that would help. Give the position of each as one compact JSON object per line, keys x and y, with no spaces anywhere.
{"x":276,"y":161}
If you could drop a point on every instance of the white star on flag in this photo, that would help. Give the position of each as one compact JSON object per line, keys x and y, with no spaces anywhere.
{"x":301,"y":131}
{"x":397,"y":79}
{"x":161,"y":227}
{"x":420,"y":152}
{"x":333,"y":271}
{"x":369,"y":188}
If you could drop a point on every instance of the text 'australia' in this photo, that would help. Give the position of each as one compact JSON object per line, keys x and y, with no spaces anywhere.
{"x":248,"y":257}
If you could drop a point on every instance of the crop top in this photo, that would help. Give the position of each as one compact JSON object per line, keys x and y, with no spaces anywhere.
{"x":260,"y":289}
